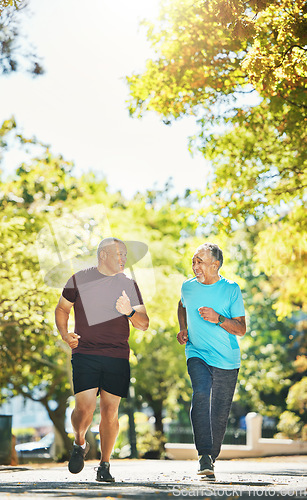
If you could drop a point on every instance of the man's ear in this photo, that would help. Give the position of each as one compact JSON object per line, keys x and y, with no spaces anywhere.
{"x":102,"y":255}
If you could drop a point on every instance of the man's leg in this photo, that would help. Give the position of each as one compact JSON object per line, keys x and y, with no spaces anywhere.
{"x":201,"y":380}
{"x":109,"y":425}
{"x":223,"y":388}
{"x":108,"y":429}
{"x":82,"y":414}
{"x":81,"y":418}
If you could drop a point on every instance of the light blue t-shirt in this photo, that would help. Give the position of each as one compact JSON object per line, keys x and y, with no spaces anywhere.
{"x":207,"y":340}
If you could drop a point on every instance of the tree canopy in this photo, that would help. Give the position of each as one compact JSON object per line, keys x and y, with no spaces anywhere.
{"x":44,"y":195}
{"x":16,"y":54}
{"x":44,"y":198}
{"x":212,"y":57}
{"x":209,"y":51}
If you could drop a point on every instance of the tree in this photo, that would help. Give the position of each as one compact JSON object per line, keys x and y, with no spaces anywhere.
{"x":293,"y":421}
{"x":4,"y":4}
{"x":15,"y":56}
{"x":209,"y":51}
{"x":209,"y":54}
{"x":157,"y":360}
{"x":44,"y":206}
{"x":35,"y":363}
{"x":159,"y":365}
{"x":260,"y":174}
{"x":273,"y":352}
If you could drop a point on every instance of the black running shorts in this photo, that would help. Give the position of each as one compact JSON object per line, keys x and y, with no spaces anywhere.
{"x":110,"y":374}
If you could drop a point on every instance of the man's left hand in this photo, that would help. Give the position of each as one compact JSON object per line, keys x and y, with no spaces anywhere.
{"x":123,"y":304}
{"x":208,"y":314}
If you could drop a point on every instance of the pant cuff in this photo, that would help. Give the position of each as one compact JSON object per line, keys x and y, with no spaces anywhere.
{"x":204,"y":452}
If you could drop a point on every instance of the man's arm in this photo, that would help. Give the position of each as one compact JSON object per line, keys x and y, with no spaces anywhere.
{"x":235,"y":326}
{"x":182,"y":336}
{"x":139,"y":319}
{"x":62,"y":311}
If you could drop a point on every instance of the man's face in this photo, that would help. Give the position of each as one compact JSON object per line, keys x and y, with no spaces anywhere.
{"x":204,"y":266}
{"x":115,"y":257}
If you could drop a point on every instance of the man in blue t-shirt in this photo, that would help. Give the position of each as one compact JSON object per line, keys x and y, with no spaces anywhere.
{"x":211,"y":317}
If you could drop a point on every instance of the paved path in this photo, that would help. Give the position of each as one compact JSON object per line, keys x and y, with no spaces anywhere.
{"x":285,"y":477}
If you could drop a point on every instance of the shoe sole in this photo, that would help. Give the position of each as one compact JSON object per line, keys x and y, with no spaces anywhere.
{"x":75,"y":471}
{"x":205,"y":472}
{"x":210,"y":477}
{"x":105,"y":480}
{"x":87,"y":449}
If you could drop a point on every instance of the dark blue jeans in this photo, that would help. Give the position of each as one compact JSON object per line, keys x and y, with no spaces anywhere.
{"x":213,"y":390}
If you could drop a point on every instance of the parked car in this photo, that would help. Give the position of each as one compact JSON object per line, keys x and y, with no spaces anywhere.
{"x":36,"y":451}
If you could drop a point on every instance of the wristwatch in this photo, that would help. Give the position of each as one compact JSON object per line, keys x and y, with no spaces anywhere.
{"x":131,"y":314}
{"x":221,"y":320}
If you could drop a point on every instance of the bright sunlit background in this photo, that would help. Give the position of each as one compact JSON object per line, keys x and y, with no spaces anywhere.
{"x":79,"y":105}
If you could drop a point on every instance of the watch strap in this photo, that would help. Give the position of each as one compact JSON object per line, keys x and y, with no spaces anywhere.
{"x":131,"y":314}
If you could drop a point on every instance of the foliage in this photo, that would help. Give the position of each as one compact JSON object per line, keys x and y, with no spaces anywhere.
{"x":260,"y":174}
{"x":272,"y":351}
{"x":15,"y":56}
{"x":276,"y":63}
{"x":35,"y":364}
{"x":35,"y":367}
{"x":290,"y":425}
{"x":157,"y":360}
{"x":45,"y":196}
{"x":4,"y":4}
{"x":293,"y":422}
{"x":297,"y":397}
{"x":209,"y":50}
{"x":151,"y":445}
{"x":162,"y":375}
{"x":211,"y":57}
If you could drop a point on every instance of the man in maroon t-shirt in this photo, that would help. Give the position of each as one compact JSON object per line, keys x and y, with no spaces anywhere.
{"x":104,"y":301}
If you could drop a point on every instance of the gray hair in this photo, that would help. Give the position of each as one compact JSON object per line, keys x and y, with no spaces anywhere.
{"x":215,"y":251}
{"x":106,"y":242}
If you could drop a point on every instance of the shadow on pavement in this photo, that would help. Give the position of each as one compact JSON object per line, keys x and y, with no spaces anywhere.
{"x":39,"y":487}
{"x":210,"y":490}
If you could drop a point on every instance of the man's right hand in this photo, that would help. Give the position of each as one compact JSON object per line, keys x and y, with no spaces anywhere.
{"x":182,"y":337}
{"x":72,"y":339}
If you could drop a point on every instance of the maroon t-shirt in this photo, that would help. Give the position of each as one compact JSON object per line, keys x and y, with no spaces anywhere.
{"x":102,"y":329}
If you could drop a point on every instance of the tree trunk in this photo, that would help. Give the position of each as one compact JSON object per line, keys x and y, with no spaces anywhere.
{"x":158,"y":417}
{"x":93,"y":451}
{"x":57,"y":417}
{"x":131,"y":429}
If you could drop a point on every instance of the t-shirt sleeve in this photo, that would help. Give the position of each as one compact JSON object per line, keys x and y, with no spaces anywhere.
{"x":237,"y":306}
{"x":70,"y":291}
{"x":182,"y":299}
{"x":136,"y":298}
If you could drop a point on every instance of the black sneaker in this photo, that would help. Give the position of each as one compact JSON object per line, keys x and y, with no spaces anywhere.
{"x":103,"y":473}
{"x":76,"y":462}
{"x":210,"y":477}
{"x":206,"y":467}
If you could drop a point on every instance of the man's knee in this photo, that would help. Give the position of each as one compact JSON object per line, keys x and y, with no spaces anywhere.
{"x":83,"y":411}
{"x":109,"y":412}
{"x":85,"y":404}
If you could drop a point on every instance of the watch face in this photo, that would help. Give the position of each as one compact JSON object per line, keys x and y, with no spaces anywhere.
{"x":221,"y":319}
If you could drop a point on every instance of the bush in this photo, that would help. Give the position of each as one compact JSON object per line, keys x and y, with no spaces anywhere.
{"x":290,"y":425}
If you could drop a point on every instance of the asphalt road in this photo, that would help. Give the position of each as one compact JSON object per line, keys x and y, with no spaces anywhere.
{"x":284,"y":477}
